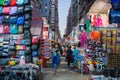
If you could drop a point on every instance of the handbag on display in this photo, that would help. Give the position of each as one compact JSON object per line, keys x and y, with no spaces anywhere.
{"x":1,"y":29}
{"x":3,"y":62}
{"x":27,"y":8}
{"x":5,"y":46}
{"x":115,"y":4}
{"x":28,"y":50}
{"x":34,"y":53}
{"x":11,"y":52}
{"x":21,"y":20}
{"x":26,"y":2}
{"x":5,"y":42}
{"x":1,"y":48}
{"x":6,"y":19}
{"x":1,"y":39}
{"x":20,"y":29}
{"x":13,"y":10}
{"x":27,"y":25}
{"x":20,"y":47}
{"x":1,"y":18}
{"x":114,"y":16}
{"x":27,"y":34}
{"x":27,"y":42}
{"x":22,"y":42}
{"x":13,"y":2}
{"x":11,"y":47}
{"x":6,"y":10}
{"x":6,"y":29}
{"x":1,"y":2}
{"x":13,"y":19}
{"x":34,"y":47}
{"x":20,"y":2}
{"x":6,"y":39}
{"x":28,"y":58}
{"x":7,"y":2}
{"x":1,"y":44}
{"x":35,"y":40}
{"x":1,"y":9}
{"x":13,"y":29}
{"x":27,"y":16}
{"x":20,"y":10}
{"x":5,"y":50}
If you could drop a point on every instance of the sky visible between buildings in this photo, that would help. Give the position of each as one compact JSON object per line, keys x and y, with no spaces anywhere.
{"x":63,"y":7}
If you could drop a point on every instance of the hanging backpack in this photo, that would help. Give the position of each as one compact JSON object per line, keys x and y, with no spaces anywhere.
{"x":20,"y":29}
{"x":34,"y":53}
{"x":20,"y":10}
{"x":7,"y":2}
{"x":13,"y":10}
{"x":20,"y":2}
{"x":1,"y":17}
{"x":1,"y":28}
{"x":13,"y":19}
{"x":6,"y":10}
{"x":115,"y":4}
{"x":13,"y":29}
{"x":13,"y":2}
{"x":27,"y":16}
{"x":27,"y":8}
{"x":6,"y":19}
{"x":6,"y":28}
{"x":1,"y":2}
{"x":26,"y":2}
{"x":28,"y":50}
{"x":114,"y":16}
{"x":27,"y":25}
{"x":21,"y":20}
{"x":1,"y":9}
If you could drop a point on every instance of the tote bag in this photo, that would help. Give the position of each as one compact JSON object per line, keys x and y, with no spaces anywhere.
{"x":13,"y":2}
{"x":13,"y":10}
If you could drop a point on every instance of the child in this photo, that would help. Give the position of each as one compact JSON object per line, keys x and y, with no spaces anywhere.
{"x":55,"y":60}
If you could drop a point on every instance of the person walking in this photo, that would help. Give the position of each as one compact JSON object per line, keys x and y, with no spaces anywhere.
{"x":69,"y":56}
{"x":55,"y":60}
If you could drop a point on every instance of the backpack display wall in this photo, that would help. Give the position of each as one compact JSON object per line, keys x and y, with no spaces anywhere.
{"x":15,"y":19}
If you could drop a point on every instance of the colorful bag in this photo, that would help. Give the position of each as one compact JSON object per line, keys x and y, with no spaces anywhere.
{"x":28,"y":50}
{"x":13,"y":2}
{"x":35,"y":40}
{"x":6,"y":28}
{"x":11,"y":48}
{"x":21,"y":20}
{"x":13,"y":29}
{"x":1,"y":18}
{"x":26,"y":2}
{"x":26,"y":25}
{"x":20,"y":2}
{"x":27,"y":8}
{"x":34,"y":47}
{"x":114,"y":16}
{"x":1,"y":9}
{"x":28,"y":58}
{"x":1,"y":2}
{"x":20,"y":10}
{"x":34,"y":53}
{"x":1,"y":48}
{"x":27,"y":42}
{"x":13,"y":19}
{"x":7,"y":2}
{"x":27,"y":16}
{"x":13,"y":10}
{"x":20,"y":29}
{"x":1,"y":29}
{"x":115,"y":4}
{"x":6,"y":10}
{"x":6,"y":19}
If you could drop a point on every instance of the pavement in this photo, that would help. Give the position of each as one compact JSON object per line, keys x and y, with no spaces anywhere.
{"x":63,"y":73}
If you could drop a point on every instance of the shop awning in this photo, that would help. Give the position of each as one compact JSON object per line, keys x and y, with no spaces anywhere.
{"x":100,"y":6}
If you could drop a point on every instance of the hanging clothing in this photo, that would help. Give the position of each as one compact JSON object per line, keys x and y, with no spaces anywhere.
{"x":83,"y":38}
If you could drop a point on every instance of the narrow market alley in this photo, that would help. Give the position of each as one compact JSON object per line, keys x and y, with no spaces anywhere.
{"x":64,"y":73}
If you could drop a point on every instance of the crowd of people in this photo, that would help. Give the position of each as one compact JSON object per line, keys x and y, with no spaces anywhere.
{"x":59,"y":51}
